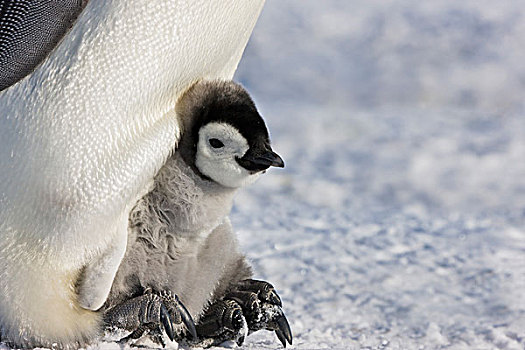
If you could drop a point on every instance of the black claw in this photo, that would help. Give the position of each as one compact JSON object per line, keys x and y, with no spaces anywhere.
{"x":274,"y":299}
{"x":166,"y":322}
{"x":236,"y":319}
{"x":240,"y":341}
{"x":281,"y":337}
{"x":187,"y":319}
{"x":284,"y":327}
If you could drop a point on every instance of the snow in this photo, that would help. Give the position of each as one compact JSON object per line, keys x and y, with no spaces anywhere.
{"x":399,"y":220}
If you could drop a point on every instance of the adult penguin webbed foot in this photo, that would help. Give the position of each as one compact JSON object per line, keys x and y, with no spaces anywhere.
{"x":151,"y":313}
{"x":249,"y":306}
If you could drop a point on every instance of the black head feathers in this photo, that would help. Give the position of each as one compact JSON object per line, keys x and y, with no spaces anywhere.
{"x":225,"y":102}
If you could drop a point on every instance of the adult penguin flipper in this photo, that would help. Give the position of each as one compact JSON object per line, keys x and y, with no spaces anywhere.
{"x":29,"y":30}
{"x":97,"y":276}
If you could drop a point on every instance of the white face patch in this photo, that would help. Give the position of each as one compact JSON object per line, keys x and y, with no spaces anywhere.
{"x":218,"y":146}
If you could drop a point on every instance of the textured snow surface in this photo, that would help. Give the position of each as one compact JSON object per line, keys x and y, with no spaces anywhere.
{"x":399,"y":220}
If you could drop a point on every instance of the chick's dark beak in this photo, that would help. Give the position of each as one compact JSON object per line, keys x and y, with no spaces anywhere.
{"x":259,"y":162}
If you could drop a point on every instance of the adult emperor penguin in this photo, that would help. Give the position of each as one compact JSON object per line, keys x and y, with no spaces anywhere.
{"x":182,"y":249}
{"x":85,"y":124}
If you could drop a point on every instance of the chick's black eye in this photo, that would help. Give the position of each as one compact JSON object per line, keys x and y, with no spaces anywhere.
{"x":216,"y":143}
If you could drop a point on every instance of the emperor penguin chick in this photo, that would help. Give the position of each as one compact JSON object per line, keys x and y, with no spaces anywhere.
{"x":183,"y":260}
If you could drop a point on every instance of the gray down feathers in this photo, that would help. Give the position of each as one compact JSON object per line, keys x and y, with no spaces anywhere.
{"x":180,"y":236}
{"x":181,"y":239}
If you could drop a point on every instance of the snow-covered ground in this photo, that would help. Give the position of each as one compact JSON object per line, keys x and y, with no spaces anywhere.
{"x":399,"y":220}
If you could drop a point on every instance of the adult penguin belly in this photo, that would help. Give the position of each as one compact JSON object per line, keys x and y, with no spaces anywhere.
{"x":81,"y":137}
